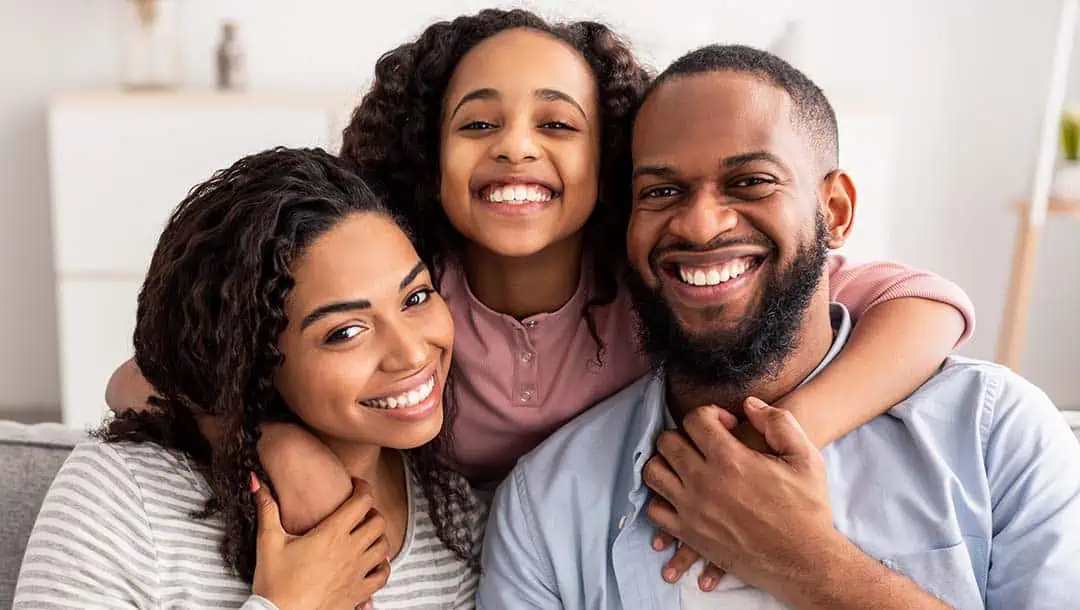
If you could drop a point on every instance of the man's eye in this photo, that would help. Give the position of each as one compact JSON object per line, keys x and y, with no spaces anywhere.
{"x":752,"y":181}
{"x":659,"y":192}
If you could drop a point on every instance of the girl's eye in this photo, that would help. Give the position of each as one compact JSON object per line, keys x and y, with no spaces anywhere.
{"x":557,"y":125}
{"x":660,"y":192}
{"x":477,"y":126}
{"x":419,"y":297}
{"x":342,"y":335}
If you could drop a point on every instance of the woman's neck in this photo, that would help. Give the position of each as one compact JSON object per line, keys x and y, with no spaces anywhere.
{"x":384,"y":470}
{"x":525,"y":286}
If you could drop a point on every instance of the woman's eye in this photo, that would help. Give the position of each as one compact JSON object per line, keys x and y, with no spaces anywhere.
{"x":557,"y":125}
{"x":477,"y":126}
{"x":344,"y":334}
{"x":419,"y":297}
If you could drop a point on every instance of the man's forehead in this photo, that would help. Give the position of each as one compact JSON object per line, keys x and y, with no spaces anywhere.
{"x":718,"y":111}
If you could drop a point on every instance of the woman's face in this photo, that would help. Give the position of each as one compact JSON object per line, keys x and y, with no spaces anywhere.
{"x":520,"y":143}
{"x":368,"y":342}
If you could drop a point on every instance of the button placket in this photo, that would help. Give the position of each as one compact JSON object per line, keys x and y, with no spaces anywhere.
{"x":525,"y":369}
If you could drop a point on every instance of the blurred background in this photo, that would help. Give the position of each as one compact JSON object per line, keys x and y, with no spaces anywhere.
{"x":111,"y":109}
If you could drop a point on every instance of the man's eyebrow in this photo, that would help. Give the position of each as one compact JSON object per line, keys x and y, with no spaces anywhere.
{"x":486,"y":93}
{"x":660,"y":171}
{"x":750,"y":157}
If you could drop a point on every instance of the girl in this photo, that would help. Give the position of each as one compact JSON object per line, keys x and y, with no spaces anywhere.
{"x":504,"y":140}
{"x":281,"y":290}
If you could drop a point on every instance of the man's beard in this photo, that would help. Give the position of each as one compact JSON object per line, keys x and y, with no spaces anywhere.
{"x":760,"y":344}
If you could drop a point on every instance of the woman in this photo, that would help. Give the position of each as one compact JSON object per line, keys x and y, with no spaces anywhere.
{"x":281,"y":290}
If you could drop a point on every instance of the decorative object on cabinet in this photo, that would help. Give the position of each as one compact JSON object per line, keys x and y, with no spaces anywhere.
{"x":152,"y":39}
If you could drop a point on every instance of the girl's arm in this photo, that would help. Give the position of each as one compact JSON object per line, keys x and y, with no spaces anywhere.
{"x":307,"y":477}
{"x":907,"y":322}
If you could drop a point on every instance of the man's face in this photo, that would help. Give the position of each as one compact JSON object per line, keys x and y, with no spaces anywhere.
{"x":727,"y":237}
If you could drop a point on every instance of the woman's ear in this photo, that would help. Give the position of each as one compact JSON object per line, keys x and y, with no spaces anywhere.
{"x":838,"y":206}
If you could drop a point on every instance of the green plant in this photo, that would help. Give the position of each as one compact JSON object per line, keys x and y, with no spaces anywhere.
{"x":1070,"y":135}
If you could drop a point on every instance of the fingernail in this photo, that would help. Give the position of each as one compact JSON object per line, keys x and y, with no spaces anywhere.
{"x":707,"y":583}
{"x":254,"y":483}
{"x":657,"y":544}
{"x":669,"y":574}
{"x":754,"y":403}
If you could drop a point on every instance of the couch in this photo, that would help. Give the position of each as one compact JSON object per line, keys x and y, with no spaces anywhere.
{"x":30,"y":456}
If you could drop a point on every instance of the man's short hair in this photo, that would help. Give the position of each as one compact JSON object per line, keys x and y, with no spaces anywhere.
{"x":813,"y":112}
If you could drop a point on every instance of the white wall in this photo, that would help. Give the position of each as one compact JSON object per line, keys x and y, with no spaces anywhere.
{"x":964,"y":77}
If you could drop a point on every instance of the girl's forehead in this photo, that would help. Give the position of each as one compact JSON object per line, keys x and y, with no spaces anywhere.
{"x":522,"y":59}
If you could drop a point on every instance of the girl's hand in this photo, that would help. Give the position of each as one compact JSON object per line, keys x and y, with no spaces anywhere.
{"x":340,"y":563}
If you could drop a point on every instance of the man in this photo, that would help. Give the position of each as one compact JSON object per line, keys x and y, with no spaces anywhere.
{"x":967,"y":493}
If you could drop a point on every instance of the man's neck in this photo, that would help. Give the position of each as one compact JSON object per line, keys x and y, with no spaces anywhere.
{"x":529,"y":285}
{"x":813,"y":340}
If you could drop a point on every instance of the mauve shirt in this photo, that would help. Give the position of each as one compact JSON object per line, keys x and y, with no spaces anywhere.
{"x":517,"y":381}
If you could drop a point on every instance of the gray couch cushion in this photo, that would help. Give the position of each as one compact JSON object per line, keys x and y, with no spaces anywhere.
{"x":30,"y":456}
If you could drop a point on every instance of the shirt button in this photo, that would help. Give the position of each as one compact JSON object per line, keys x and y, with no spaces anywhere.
{"x":525,"y":396}
{"x":530,"y":324}
{"x":526,"y":357}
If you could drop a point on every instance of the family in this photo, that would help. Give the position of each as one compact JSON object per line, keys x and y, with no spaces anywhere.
{"x":553,"y":333}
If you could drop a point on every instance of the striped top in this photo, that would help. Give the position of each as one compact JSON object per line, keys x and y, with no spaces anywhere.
{"x":116,"y":531}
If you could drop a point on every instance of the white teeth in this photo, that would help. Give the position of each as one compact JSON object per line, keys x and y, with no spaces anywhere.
{"x":518,"y":193}
{"x":715,"y":275}
{"x":407,"y":399}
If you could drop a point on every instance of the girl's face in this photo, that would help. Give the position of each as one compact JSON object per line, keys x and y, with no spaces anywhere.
{"x":368,"y":342}
{"x":520,"y":143}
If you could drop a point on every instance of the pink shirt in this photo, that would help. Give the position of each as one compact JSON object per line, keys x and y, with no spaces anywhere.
{"x":519,"y":381}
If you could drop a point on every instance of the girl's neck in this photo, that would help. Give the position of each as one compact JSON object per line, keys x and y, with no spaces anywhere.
{"x":525,"y":286}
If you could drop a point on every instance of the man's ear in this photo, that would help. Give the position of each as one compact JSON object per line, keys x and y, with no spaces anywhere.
{"x":838,"y":206}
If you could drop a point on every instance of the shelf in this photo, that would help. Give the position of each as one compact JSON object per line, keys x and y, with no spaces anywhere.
{"x":204,"y":98}
{"x":1058,"y":207}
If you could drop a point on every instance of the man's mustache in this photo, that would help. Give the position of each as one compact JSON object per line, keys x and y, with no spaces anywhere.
{"x":716,"y":243}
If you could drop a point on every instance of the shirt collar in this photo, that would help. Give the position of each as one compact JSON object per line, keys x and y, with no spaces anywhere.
{"x":655,"y":398}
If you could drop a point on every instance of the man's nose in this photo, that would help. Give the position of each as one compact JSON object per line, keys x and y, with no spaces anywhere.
{"x":703,"y":217}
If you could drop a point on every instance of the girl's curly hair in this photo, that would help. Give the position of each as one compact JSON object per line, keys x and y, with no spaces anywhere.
{"x":395,"y":131}
{"x":210,"y":313}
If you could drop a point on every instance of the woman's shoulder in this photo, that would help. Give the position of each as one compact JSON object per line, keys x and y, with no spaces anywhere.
{"x":147,"y":470}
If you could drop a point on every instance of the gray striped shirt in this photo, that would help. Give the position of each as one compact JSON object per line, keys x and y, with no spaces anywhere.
{"x":116,"y":531}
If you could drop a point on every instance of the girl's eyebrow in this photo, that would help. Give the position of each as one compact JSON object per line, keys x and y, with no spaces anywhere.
{"x":546,"y":94}
{"x":554,"y":95}
{"x":486,"y":93}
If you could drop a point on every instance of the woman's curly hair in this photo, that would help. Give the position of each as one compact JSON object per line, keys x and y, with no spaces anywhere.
{"x":210,"y":313}
{"x":395,"y":131}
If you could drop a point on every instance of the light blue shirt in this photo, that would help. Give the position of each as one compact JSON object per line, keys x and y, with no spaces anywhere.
{"x":970,"y":487}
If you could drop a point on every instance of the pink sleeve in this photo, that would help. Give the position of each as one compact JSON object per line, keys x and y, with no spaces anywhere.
{"x":862,"y":286}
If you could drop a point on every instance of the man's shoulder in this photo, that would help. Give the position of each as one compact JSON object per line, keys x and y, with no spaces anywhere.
{"x":979,"y":396}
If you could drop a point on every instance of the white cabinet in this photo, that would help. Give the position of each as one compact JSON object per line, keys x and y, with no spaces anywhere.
{"x":119,"y":165}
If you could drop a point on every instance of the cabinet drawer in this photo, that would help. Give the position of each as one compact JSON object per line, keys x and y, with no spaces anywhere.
{"x":96,"y":321}
{"x":118,"y":171}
